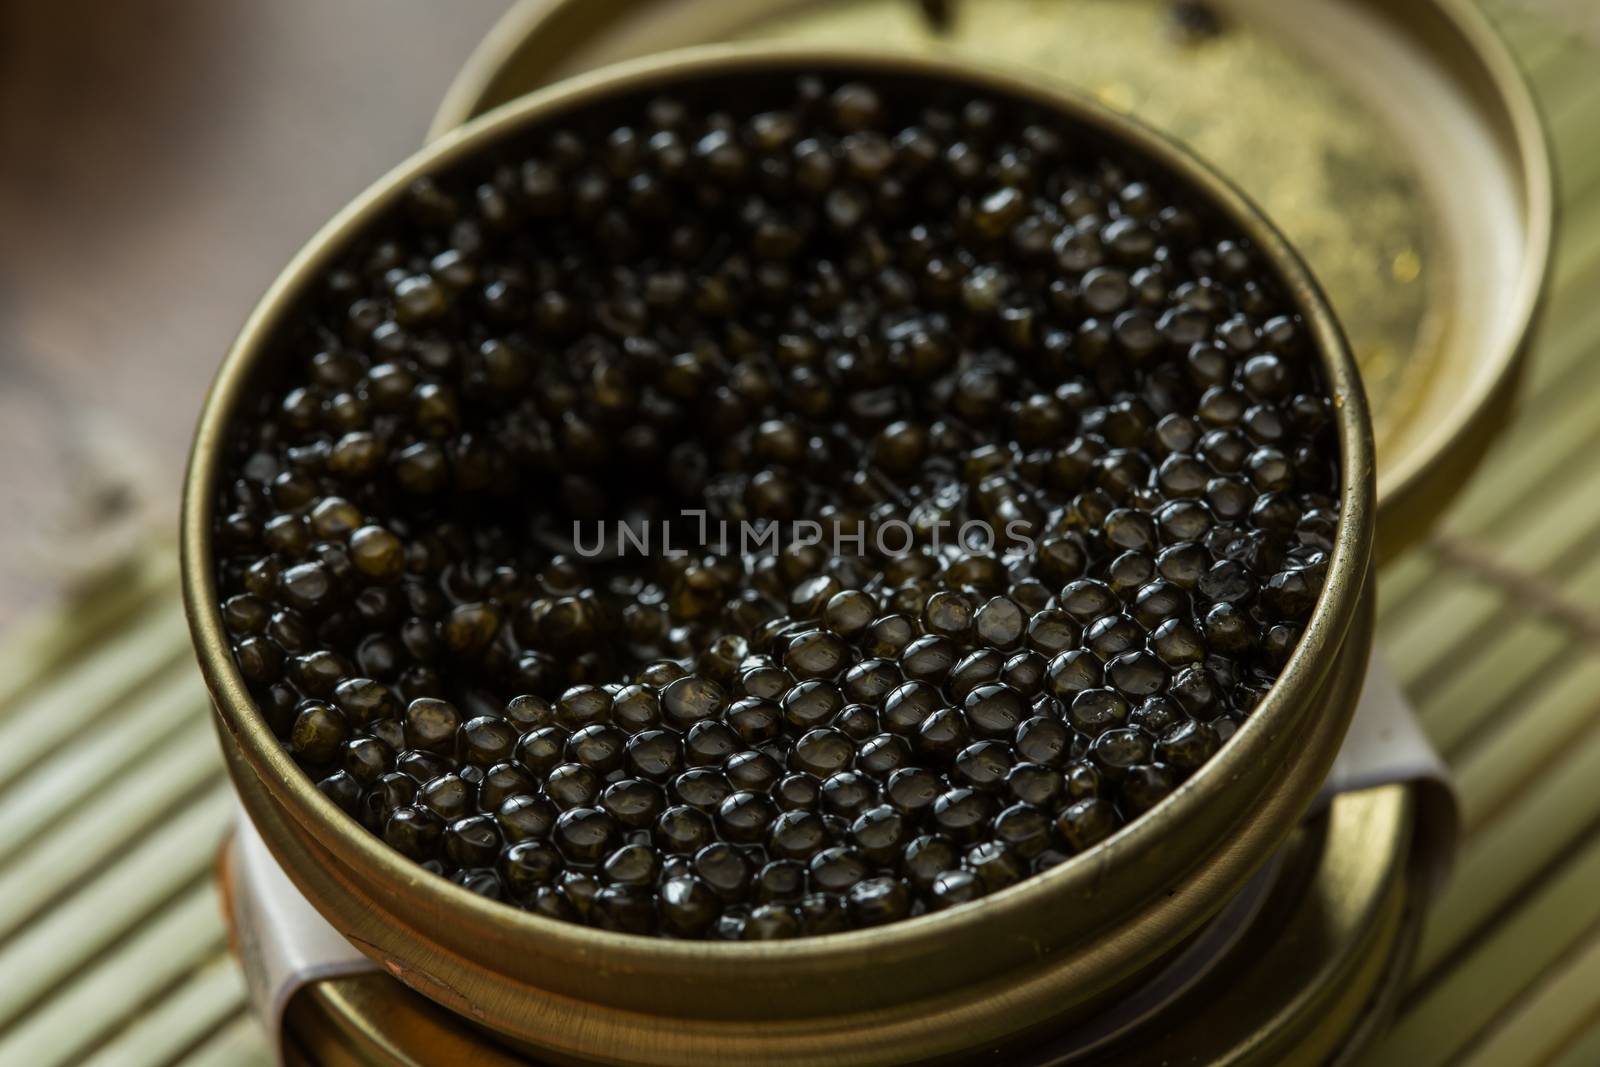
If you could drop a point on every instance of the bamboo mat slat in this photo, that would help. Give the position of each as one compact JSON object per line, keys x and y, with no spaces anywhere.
{"x":1557,"y":1009}
{"x":44,"y":959}
{"x":36,"y":728}
{"x":38,"y":649}
{"x":112,"y":949}
{"x":1449,"y":1015}
{"x":73,"y":855}
{"x":208,"y":1000}
{"x":239,"y":1044}
{"x":1469,"y":698}
{"x":1545,"y":724}
{"x":1502,"y":858}
{"x":1580,"y":1049}
{"x":1402,"y":579}
{"x":145,"y":726}
{"x":131,"y":976}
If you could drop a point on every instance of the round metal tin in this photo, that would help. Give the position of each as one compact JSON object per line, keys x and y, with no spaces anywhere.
{"x":1343,"y":899}
{"x":1397,"y":145}
{"x":975,"y":976}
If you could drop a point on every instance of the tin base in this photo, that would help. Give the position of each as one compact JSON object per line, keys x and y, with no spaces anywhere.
{"x":1315,"y":975}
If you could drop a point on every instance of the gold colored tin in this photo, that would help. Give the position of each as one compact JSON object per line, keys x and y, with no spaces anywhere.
{"x":979,"y":976}
{"x":1440,"y":180}
{"x":1396,"y":144}
{"x":1308,"y":985}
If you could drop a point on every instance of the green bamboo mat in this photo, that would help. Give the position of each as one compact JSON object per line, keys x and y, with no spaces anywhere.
{"x":112,"y":949}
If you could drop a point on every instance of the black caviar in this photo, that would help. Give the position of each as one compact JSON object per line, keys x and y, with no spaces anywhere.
{"x":1071,"y":427}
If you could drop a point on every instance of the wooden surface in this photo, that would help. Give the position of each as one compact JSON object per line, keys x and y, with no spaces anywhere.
{"x":112,"y":799}
{"x":159,"y":162}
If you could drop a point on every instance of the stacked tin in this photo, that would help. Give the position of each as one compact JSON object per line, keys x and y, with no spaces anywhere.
{"x":1400,"y":153}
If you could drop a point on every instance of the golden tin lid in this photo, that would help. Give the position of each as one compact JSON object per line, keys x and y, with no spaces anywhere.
{"x":1395,"y":144}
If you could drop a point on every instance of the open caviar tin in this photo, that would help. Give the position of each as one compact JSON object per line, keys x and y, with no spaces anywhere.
{"x":1396,"y":145}
{"x":988,"y":977}
{"x":1423,"y":164}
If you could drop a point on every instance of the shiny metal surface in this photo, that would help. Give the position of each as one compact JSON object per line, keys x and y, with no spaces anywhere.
{"x":1312,"y":981}
{"x":976,"y":976}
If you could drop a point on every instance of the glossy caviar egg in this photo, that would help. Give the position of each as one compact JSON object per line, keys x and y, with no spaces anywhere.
{"x":1092,"y":472}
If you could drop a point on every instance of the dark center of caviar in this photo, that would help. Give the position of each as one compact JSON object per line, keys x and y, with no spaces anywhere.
{"x":877,"y":307}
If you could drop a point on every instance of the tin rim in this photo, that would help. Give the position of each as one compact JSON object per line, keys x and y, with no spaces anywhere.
{"x":1250,"y":757}
{"x":1431,"y":466}
{"x":1373,"y":918}
{"x":1009,"y":1011}
{"x":1422,"y":487}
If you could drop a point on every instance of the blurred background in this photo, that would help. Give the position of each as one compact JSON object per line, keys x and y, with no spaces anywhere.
{"x":161,"y":161}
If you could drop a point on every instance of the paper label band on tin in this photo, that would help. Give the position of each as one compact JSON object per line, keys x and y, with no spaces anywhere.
{"x":1385,"y":744}
{"x":285,"y":944}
